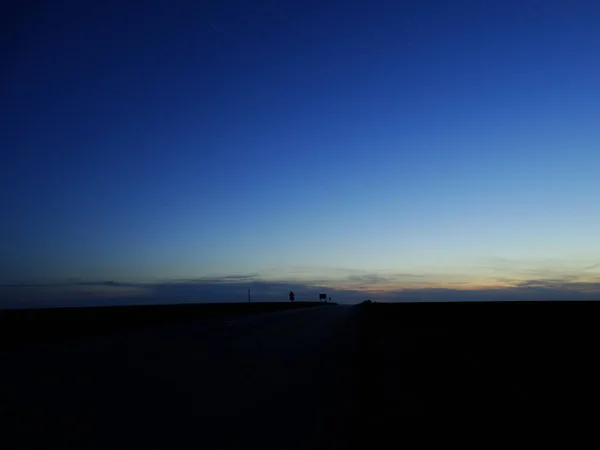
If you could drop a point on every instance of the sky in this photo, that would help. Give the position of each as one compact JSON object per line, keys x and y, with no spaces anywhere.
{"x":398,"y":150}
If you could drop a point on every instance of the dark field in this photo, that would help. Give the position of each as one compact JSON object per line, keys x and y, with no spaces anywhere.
{"x":27,"y":326}
{"x":301,"y":376}
{"x":465,"y":370}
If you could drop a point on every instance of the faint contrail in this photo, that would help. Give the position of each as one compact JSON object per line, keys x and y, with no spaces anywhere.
{"x":220,"y":30}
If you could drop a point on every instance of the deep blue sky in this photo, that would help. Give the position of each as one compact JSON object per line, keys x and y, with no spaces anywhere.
{"x":413,"y":144}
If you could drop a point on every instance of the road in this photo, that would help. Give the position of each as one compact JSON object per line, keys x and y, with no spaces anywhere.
{"x":272,"y":380}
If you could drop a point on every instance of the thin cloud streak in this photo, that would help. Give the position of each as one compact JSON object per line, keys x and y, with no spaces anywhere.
{"x":235,"y":289}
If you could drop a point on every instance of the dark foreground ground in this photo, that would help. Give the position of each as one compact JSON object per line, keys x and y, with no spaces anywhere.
{"x":368,"y":376}
{"x":480,"y":372}
{"x":270,"y":380}
{"x":30,"y":326}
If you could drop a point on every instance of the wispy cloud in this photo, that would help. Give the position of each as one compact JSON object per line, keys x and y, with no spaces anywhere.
{"x":370,"y":278}
{"x":514,"y":280}
{"x":233,"y":278}
{"x":177,"y":291}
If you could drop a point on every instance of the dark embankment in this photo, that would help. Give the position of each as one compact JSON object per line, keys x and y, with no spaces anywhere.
{"x":26,"y":326}
{"x":467,"y":370}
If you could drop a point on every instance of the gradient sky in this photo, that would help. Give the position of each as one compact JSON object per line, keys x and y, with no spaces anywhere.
{"x":366,"y":145}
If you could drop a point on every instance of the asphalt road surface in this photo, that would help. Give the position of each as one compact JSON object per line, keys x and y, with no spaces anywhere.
{"x":273,"y":380}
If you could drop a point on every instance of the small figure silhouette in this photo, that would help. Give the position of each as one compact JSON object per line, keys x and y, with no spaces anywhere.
{"x":292,"y":296}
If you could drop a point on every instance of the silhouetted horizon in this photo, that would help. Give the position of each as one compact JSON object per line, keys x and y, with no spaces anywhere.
{"x":111,"y":293}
